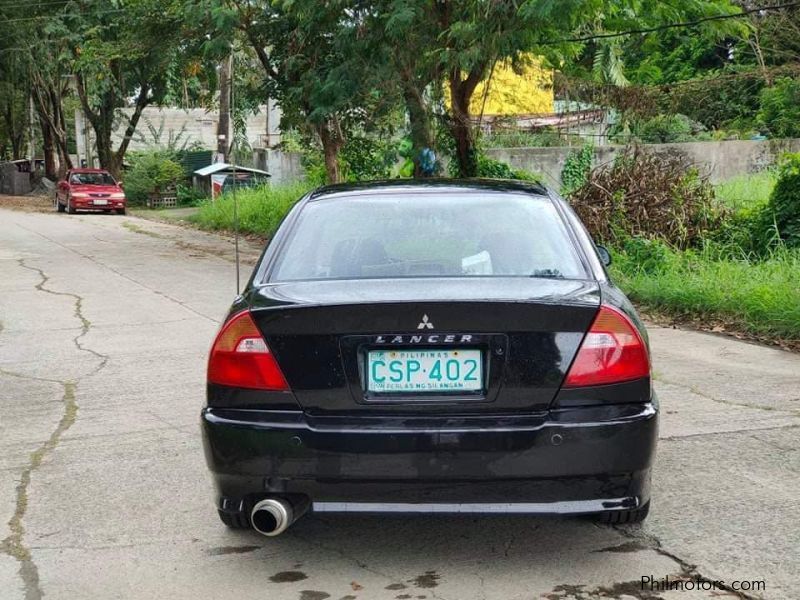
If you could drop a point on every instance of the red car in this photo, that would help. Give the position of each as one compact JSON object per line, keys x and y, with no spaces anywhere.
{"x":89,"y":189}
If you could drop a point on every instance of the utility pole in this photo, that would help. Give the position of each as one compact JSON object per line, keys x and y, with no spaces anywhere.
{"x":224,"y":124}
{"x":32,"y":133}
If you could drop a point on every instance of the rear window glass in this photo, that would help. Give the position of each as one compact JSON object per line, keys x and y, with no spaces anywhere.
{"x":428,"y":235}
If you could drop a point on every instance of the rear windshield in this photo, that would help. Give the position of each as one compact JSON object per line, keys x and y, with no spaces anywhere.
{"x":428,"y":235}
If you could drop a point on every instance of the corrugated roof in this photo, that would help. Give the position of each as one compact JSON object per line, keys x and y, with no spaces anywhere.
{"x":218,"y":167}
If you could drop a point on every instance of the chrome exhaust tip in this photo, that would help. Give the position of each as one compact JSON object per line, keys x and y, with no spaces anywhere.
{"x":273,"y":516}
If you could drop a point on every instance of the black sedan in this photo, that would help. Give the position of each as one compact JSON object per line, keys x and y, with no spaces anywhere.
{"x":441,"y":347}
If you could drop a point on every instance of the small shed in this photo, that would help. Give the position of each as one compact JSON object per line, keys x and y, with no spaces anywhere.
{"x":219,"y":178}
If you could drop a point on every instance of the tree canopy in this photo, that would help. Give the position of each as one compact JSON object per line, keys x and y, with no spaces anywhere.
{"x":344,"y":68}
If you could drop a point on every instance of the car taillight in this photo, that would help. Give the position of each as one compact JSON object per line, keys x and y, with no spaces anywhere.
{"x":612,"y":352}
{"x":241,"y":358}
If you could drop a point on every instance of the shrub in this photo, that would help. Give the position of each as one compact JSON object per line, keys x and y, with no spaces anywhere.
{"x":260,"y":209}
{"x":189,"y":196}
{"x":496,"y":169}
{"x":663,"y":129}
{"x":780,"y":108}
{"x":576,"y":169}
{"x":646,"y":256}
{"x":748,"y":230}
{"x":363,"y":158}
{"x":758,"y":296}
{"x":784,"y":202}
{"x":718,"y":101}
{"x":660,"y":129}
{"x":151,"y":172}
{"x":655,"y":195}
{"x":524,"y":139}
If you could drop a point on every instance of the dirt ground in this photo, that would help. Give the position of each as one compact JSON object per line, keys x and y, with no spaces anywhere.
{"x":30,"y":203}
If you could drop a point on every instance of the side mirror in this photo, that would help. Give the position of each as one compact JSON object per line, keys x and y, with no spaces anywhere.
{"x":604,"y":254}
{"x":119,"y":183}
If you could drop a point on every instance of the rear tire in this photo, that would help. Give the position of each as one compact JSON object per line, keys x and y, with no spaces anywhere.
{"x":234,"y":520}
{"x":621,"y":517}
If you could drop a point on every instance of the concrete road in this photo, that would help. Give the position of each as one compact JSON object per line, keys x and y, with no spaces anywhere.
{"x":105,"y":325}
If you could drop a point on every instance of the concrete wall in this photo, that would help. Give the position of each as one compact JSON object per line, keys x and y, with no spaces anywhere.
{"x":720,"y":160}
{"x":195,"y":126}
{"x":284,"y":167}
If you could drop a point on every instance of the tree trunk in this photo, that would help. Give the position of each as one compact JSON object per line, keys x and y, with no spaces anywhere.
{"x":331,"y":138}
{"x":224,"y":124}
{"x":105,"y":154}
{"x":142,"y":100}
{"x":15,"y":124}
{"x":49,"y":145}
{"x":54,"y":131}
{"x":461,"y":131}
{"x":60,"y":129}
{"x":419,"y":124}
{"x":102,"y":121}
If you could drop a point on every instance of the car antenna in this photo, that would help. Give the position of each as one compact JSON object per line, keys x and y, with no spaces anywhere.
{"x":234,"y":153}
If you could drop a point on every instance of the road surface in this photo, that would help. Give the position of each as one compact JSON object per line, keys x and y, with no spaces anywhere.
{"x":105,"y":322}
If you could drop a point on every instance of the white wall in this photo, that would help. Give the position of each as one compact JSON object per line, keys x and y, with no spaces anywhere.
{"x":198,"y":125}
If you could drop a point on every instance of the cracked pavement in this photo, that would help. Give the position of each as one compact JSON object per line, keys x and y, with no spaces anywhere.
{"x":104,"y":327}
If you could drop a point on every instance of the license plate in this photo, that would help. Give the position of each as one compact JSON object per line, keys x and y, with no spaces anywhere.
{"x":410,"y":371}
{"x":100,"y":202}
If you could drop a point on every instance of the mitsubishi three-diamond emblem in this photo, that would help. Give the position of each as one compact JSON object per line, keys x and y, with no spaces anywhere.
{"x":425,"y":324}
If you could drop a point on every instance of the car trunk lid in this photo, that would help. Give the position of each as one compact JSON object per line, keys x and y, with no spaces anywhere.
{"x":526,"y":329}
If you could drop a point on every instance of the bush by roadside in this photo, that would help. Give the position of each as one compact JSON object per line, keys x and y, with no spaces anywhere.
{"x":151,"y":172}
{"x":647,"y":194}
{"x":720,"y":256}
{"x":260,"y":209}
{"x":784,"y":202}
{"x":757,"y":296}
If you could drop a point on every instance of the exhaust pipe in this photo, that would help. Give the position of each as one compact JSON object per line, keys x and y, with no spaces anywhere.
{"x":273,"y":516}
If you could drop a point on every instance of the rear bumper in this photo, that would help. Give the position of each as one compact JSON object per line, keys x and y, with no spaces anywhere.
{"x":565,"y":461}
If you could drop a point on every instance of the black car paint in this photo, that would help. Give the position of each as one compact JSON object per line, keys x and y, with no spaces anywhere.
{"x":530,"y":440}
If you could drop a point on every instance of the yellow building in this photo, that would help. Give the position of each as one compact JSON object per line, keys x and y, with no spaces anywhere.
{"x":511,"y":93}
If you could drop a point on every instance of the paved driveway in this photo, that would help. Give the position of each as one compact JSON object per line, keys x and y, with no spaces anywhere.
{"x":104,"y":326}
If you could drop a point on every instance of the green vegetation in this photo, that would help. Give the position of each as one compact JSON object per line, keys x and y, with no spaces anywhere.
{"x":780,"y":108}
{"x":151,"y":173}
{"x":496,"y":169}
{"x":746,"y":191}
{"x":784,"y":202}
{"x":260,"y":209}
{"x":742,"y":276}
{"x":577,"y":167}
{"x":657,"y":195}
{"x":757,"y":296}
{"x":660,"y":129}
{"x":525,"y":139}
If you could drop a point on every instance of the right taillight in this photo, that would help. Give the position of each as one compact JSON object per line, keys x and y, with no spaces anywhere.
{"x":612,"y":352}
{"x":241,"y":358}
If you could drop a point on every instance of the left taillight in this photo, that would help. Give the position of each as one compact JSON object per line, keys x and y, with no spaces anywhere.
{"x":241,"y":358}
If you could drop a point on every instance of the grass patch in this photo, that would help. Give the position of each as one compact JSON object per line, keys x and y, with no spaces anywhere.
{"x":759,"y":297}
{"x":260,"y":210}
{"x":746,"y":191}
